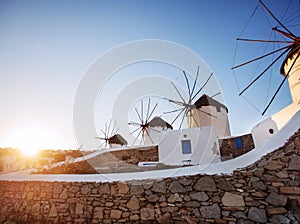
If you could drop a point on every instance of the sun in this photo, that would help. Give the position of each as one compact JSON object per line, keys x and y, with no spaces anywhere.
{"x":30,"y":141}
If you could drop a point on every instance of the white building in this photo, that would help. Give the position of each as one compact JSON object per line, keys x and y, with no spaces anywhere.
{"x":155,"y":127}
{"x":189,"y":146}
{"x":210,"y":112}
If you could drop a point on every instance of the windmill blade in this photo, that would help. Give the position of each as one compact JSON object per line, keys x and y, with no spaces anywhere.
{"x":134,"y":131}
{"x":134,"y":124}
{"x":178,"y":92}
{"x":100,"y":138}
{"x":185,"y":113}
{"x":187,"y":83}
{"x":137,"y":137}
{"x":281,"y":84}
{"x":138,"y":115}
{"x":209,"y":114}
{"x":216,"y":94}
{"x":109,"y":127}
{"x":277,"y":20}
{"x":203,"y":86}
{"x":172,"y":111}
{"x":194,"y":85}
{"x":261,"y":57}
{"x":154,"y":129}
{"x":265,"y":41}
{"x":113,"y":130}
{"x":261,"y":74}
{"x":152,"y":112}
{"x":103,"y":132}
{"x":149,"y":136}
{"x":143,"y":137}
{"x":182,"y":109}
{"x":176,"y":102}
{"x":194,"y":119}
{"x":148,"y":109}
{"x":142,"y":111}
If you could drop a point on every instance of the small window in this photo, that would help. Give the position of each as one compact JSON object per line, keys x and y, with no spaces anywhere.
{"x":238,"y":143}
{"x":271,"y":131}
{"x":186,"y":147}
{"x":218,"y":109}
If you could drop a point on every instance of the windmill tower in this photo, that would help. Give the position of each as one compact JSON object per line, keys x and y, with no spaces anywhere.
{"x":110,"y":137}
{"x":205,"y":111}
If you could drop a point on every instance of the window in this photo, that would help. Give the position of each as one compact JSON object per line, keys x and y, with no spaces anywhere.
{"x":218,"y":109}
{"x":238,"y":143}
{"x":186,"y":146}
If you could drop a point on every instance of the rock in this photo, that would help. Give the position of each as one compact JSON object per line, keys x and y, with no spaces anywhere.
{"x":57,"y":188}
{"x":153,"y":198}
{"x":74,"y":189}
{"x":233,"y":200}
{"x":176,"y":187}
{"x":259,"y":194}
{"x":225,"y":185}
{"x":122,"y":188}
{"x":294,"y":163}
{"x":35,"y":210}
{"x":257,"y":215}
{"x":239,"y":215}
{"x":275,"y":165}
{"x":192,"y":204}
{"x":159,"y":187}
{"x":133,"y":204}
{"x":79,"y":208}
{"x":282,"y":174}
{"x":164,"y":219}
{"x":211,"y":212}
{"x":134,"y":218}
{"x":297,"y":143}
{"x":276,"y":211}
{"x":98,"y":213}
{"x":205,"y":183}
{"x":276,"y":199}
{"x":85,"y":189}
{"x":199,"y":196}
{"x":259,"y":186}
{"x":147,"y":214}
{"x":290,"y":190}
{"x":174,"y":198}
{"x":136,"y":189}
{"x":53,"y":211}
{"x":115,"y":214}
{"x":169,"y":209}
{"x":279,"y":219}
{"x":64,"y":194}
{"x":104,"y":189}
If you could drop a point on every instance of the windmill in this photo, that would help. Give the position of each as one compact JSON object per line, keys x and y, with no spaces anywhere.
{"x":109,"y":131}
{"x":186,"y":106}
{"x":142,"y":125}
{"x":285,"y":43}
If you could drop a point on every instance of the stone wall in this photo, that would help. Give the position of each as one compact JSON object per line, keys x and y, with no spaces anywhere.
{"x":267,"y":191}
{"x":229,"y":150}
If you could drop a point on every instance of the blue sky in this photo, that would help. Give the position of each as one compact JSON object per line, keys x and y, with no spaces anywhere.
{"x":46,"y":46}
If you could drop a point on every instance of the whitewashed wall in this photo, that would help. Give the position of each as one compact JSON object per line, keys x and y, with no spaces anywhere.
{"x":263,"y":131}
{"x":219,"y":121}
{"x":204,"y":146}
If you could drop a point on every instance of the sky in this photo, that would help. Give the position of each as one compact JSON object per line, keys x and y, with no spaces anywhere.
{"x":48,"y":46}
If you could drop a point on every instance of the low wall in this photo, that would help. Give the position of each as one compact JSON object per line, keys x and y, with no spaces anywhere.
{"x":267,"y":191}
{"x":229,"y":150}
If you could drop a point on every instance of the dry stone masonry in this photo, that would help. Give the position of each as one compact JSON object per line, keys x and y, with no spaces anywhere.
{"x":265,"y":192}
